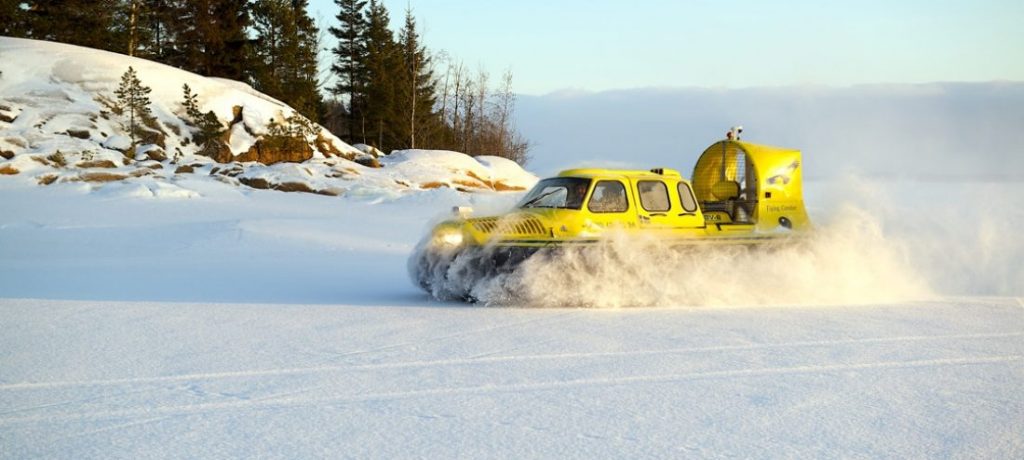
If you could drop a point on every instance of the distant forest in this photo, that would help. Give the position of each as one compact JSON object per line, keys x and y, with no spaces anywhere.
{"x":389,"y":91}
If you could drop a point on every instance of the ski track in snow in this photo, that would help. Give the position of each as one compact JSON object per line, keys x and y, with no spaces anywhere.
{"x":436,"y":339}
{"x":285,"y":401}
{"x":330,"y":389}
{"x":485,"y":359}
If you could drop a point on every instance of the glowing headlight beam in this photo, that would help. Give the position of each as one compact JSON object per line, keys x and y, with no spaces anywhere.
{"x":450,"y":238}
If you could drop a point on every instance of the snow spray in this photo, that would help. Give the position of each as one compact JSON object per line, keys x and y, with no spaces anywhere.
{"x":872,"y":243}
{"x":846,"y":261}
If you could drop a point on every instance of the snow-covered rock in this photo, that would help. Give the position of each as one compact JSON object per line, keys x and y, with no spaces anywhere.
{"x":57,"y":118}
{"x":442,"y":168}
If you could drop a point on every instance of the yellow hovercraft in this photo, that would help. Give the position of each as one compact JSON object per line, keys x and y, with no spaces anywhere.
{"x":741,"y":193}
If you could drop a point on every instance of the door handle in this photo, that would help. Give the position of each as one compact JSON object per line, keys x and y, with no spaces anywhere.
{"x":659,"y":214}
{"x":687,"y":214}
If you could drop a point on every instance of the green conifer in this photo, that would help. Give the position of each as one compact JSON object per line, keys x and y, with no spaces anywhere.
{"x":350,"y":56}
{"x":285,"y":64}
{"x":133,"y":99}
{"x":209,"y":126}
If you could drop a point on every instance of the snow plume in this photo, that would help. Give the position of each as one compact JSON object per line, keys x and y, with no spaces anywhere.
{"x":875,"y":241}
{"x":962,"y":237}
{"x":848,"y":260}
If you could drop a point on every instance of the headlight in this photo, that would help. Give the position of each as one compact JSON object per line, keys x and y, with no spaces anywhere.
{"x":449,"y":237}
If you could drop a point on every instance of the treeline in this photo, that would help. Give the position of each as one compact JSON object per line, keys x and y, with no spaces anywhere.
{"x":388,"y":91}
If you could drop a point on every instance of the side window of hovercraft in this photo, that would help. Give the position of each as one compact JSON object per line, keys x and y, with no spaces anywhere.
{"x":608,"y":196}
{"x":686,"y":198}
{"x":653,"y":195}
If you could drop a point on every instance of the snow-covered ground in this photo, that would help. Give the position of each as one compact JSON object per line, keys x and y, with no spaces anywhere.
{"x":97,"y":379}
{"x":243,"y":323}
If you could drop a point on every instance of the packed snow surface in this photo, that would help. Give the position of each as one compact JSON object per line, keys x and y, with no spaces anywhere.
{"x":247,"y":323}
{"x":100,"y":379}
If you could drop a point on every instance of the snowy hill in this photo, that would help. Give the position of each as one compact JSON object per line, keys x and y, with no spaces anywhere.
{"x":57,"y":126}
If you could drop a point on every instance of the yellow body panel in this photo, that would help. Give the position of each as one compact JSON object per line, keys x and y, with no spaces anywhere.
{"x":769,"y":179}
{"x":741,"y":193}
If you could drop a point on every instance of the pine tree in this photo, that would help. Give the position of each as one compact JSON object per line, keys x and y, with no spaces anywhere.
{"x":134,"y":11}
{"x":12,"y":18}
{"x":78,"y":22}
{"x":210,"y":127}
{"x":418,"y":85}
{"x":350,"y":55}
{"x":133,"y":99}
{"x":285,"y":64}
{"x":191,"y":104}
{"x":210,"y":37}
{"x":157,"y":29}
{"x":380,"y":112}
{"x":126,"y":30}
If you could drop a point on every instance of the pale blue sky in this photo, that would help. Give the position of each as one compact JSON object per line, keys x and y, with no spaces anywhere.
{"x":553,"y":45}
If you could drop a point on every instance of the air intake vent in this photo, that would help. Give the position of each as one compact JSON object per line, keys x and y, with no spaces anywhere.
{"x":509,"y":226}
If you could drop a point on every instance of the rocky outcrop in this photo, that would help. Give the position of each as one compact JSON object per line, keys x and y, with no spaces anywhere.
{"x":268,"y":149}
{"x":156,"y":155}
{"x":218,"y":150}
{"x":294,"y":187}
{"x":255,"y":182}
{"x":99,"y":177}
{"x":328,"y":148}
{"x":96,"y":164}
{"x":7,"y":114}
{"x":276,"y":149}
{"x":369,"y":162}
{"x":78,"y":133}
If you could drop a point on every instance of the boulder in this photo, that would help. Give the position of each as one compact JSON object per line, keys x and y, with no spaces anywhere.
{"x":218,"y":150}
{"x":277,"y":149}
{"x":96,"y":164}
{"x":369,"y":162}
{"x":255,"y":182}
{"x":101,"y":177}
{"x":369,"y":150}
{"x":325,"y":146}
{"x":152,"y":136}
{"x":156,"y":155}
{"x":78,"y":133}
{"x":293,"y":187}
